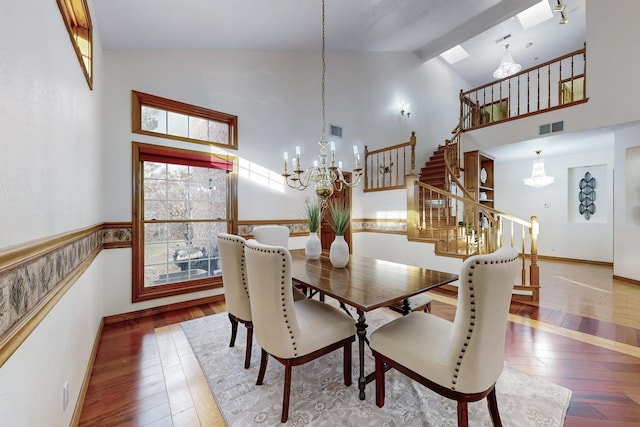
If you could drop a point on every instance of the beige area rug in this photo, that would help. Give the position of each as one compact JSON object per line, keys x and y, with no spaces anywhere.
{"x":319,"y":397}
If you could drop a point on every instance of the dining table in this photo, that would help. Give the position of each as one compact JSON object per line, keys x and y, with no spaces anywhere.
{"x":365,"y":284}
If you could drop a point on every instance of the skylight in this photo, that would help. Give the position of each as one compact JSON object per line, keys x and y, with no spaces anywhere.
{"x":455,"y":54}
{"x":536,"y":14}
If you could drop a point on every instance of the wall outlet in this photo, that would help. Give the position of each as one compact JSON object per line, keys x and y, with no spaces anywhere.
{"x":65,"y":395}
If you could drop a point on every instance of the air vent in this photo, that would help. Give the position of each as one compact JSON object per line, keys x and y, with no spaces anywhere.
{"x":551,"y":127}
{"x":557,"y":126}
{"x":545,"y":129}
{"x":335,"y":131}
{"x":503,"y":38}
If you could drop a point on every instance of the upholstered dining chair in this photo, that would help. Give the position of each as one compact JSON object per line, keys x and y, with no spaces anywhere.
{"x":276,"y":235}
{"x":463,"y":359}
{"x":236,"y":290}
{"x":292,"y":333}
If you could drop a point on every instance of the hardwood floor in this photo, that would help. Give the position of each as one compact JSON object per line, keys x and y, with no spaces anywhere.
{"x":584,"y":336}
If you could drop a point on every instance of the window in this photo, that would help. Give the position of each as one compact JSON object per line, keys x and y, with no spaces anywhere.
{"x":157,"y":116}
{"x":182,"y":200}
{"x":75,"y":14}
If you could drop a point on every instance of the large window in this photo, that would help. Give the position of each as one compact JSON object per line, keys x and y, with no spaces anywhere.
{"x":166,"y":118}
{"x":75,"y":14}
{"x":182,"y":200}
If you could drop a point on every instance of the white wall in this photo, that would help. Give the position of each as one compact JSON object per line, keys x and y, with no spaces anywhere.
{"x":627,"y":178}
{"x":276,"y":96}
{"x":396,"y":248}
{"x":50,"y":183}
{"x":49,"y":128}
{"x":563,"y":233}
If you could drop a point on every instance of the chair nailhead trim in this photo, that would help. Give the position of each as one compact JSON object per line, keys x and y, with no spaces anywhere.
{"x":284,"y":307}
{"x":472,"y":317}
{"x":243,"y":265}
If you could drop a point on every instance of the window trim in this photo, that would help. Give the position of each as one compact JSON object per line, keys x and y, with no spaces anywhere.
{"x":74,"y":13}
{"x":139,"y":99}
{"x":139,"y":292}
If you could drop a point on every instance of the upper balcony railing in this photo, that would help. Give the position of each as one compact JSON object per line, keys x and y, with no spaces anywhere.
{"x":558,"y":83}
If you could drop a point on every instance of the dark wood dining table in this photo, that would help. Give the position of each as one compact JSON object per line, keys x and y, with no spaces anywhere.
{"x":365,"y":284}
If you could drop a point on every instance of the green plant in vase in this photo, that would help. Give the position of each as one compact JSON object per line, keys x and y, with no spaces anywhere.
{"x":339,"y":217}
{"x":313,"y":214}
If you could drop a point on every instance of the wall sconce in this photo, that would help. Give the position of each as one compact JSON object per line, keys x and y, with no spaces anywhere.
{"x":404,"y":110}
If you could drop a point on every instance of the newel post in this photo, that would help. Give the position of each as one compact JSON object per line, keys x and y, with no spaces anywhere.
{"x":534,"y":269}
{"x":413,"y":216}
{"x":461,"y":119}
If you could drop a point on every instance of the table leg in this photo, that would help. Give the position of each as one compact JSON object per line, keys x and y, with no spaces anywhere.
{"x":361,"y":330}
{"x":406,"y":308}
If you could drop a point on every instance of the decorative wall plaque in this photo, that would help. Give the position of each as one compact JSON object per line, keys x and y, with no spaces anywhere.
{"x":587,"y":196}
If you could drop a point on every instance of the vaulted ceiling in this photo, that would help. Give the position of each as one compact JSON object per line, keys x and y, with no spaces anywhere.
{"x":425,"y":27}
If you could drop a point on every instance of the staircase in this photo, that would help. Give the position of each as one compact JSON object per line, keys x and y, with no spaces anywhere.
{"x":434,"y":171}
{"x":439,"y":223}
{"x":441,"y":211}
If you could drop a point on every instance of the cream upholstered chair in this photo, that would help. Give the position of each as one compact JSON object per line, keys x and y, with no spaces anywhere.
{"x":276,"y":235}
{"x":293,"y":334}
{"x":236,"y":290}
{"x":460,"y":360}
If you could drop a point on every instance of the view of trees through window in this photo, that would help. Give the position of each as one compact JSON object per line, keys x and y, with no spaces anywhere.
{"x":183,"y":125}
{"x":184,"y":210}
{"x":167,"y":118}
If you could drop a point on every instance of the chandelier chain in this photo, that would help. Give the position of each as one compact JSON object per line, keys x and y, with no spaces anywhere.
{"x":324,"y":70}
{"x":326,"y":174}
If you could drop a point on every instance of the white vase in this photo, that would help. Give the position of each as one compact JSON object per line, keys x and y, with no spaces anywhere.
{"x":313,"y":248}
{"x":339,"y":252}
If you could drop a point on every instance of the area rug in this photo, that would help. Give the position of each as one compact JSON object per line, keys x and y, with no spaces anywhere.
{"x":320,"y":398}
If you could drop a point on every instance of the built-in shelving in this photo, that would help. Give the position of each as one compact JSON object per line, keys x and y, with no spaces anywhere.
{"x":478,"y":176}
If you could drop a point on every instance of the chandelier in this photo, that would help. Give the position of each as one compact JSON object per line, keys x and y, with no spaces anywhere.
{"x":538,"y":176}
{"x":325,"y":175}
{"x":507,"y":66}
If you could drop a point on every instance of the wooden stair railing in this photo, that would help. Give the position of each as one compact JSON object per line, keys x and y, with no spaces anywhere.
{"x":431,"y":215}
{"x":555,"y":84}
{"x":386,"y":168}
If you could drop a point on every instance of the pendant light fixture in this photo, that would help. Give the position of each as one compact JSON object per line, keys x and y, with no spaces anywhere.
{"x":538,"y":176}
{"x":508,"y":66}
{"x":326,"y":175}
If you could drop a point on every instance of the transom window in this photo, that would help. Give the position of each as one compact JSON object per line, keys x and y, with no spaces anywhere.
{"x":75,"y":14}
{"x":163,"y":117}
{"x":182,"y":200}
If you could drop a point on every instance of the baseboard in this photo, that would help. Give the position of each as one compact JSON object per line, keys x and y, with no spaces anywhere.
{"x":626,"y":279}
{"x":77,"y":411}
{"x":161,"y":309}
{"x":575,"y":260}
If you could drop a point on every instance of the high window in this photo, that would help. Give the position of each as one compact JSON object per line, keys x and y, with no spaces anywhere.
{"x":75,"y":14}
{"x":166,"y":118}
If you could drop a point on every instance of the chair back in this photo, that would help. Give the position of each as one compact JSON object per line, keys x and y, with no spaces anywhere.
{"x":275,"y":235}
{"x":234,"y":276}
{"x":274,"y":317}
{"x":478,"y":336}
